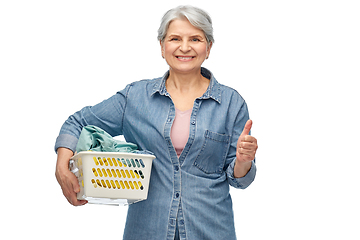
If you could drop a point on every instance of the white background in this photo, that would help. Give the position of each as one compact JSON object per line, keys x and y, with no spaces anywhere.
{"x":296,"y":63}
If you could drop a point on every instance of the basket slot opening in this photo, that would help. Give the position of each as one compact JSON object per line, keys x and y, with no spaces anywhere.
{"x":94,"y":183}
{"x":141,"y":174}
{"x":103,"y":183}
{"x":110,"y":162}
{"x":140,"y":185}
{"x":119,"y":162}
{"x":100,"y":161}
{"x":123,"y":162}
{"x":117,"y":184}
{"x":94,"y":171}
{"x":122,"y":184}
{"x":142,"y":163}
{"x":118,"y":173}
{"x":108,"y":184}
{"x":96,"y":161}
{"x":99,"y":172}
{"x":98,"y":183}
{"x":137,"y":163}
{"x":108,"y":172}
{"x":128,"y":162}
{"x":114,"y":184}
{"x":123,"y":173}
{"x":115,"y":162}
{"x":132,"y":162}
{"x":104,"y":172}
{"x":105,"y":161}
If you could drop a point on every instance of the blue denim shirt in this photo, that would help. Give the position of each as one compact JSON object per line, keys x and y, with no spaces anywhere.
{"x":190,"y":192}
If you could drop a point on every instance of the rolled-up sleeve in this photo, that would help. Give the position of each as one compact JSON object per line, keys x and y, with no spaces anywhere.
{"x":242,"y":182}
{"x":239,"y":123}
{"x":66,"y":141}
{"x":107,"y":115}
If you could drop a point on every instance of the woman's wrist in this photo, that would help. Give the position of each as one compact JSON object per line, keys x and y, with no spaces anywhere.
{"x":241,"y":168}
{"x":63,"y":157}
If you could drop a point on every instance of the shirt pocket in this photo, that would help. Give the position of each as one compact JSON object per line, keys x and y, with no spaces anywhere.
{"x":211,"y":158}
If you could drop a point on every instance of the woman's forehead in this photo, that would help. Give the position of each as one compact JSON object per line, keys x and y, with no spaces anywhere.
{"x":183,"y":27}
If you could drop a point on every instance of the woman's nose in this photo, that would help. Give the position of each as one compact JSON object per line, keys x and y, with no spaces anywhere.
{"x":185,"y":46}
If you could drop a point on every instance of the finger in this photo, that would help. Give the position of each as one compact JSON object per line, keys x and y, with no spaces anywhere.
{"x":248,"y":138}
{"x":248,"y":156}
{"x":248,"y":145}
{"x":71,"y":196}
{"x":246,"y":151}
{"x":247,"y":128}
{"x":75,"y":185}
{"x":71,"y":182}
{"x":70,"y":186}
{"x":74,"y":201}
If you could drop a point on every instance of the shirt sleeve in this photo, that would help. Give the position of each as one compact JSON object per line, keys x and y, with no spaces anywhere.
{"x":240,"y":120}
{"x":107,"y":115}
{"x":242,"y":182}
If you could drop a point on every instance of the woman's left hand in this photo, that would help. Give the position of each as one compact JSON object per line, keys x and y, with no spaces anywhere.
{"x":246,"y":145}
{"x":245,"y":151}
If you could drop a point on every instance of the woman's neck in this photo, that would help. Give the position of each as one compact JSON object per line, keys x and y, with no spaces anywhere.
{"x":185,"y":88}
{"x":186,"y":82}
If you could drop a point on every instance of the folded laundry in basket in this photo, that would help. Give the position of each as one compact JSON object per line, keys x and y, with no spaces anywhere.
{"x":96,"y":139}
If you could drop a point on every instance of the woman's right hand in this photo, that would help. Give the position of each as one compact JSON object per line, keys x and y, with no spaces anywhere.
{"x":67,"y":180}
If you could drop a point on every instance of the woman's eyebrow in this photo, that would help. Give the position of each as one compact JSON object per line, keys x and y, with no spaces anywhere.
{"x":196,"y":36}
{"x":173,"y":35}
{"x":191,"y":36}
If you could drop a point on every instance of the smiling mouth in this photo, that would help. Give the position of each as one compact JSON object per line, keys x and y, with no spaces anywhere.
{"x":184,"y":57}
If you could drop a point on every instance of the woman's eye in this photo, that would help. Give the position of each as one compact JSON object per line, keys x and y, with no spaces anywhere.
{"x":174,"y":39}
{"x":195,"y":40}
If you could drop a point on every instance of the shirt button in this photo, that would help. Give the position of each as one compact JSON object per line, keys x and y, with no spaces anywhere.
{"x":177,"y":195}
{"x":193,"y":122}
{"x":176,"y":168}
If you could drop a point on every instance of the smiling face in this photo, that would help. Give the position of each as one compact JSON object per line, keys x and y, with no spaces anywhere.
{"x":185,"y":47}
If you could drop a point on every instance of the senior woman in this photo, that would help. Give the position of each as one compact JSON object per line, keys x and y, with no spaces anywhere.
{"x":197,"y":128}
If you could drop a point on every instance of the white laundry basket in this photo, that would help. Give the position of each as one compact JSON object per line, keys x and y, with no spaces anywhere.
{"x":112,"y":177}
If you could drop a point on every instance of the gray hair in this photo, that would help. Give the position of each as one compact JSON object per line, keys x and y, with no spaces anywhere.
{"x":196,"y":16}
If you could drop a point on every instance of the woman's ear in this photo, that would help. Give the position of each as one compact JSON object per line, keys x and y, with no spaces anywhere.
{"x":208,"y":50}
{"x":162,"y":49}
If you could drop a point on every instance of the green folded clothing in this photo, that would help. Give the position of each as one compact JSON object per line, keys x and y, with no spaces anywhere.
{"x":96,"y":139}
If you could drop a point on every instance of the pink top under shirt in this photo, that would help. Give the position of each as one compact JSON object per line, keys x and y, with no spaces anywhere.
{"x":180,"y":130}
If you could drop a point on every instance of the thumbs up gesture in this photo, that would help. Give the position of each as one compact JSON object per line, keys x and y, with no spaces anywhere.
{"x":246,"y":145}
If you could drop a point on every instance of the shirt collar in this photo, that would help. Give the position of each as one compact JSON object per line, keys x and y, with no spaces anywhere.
{"x":212,"y":92}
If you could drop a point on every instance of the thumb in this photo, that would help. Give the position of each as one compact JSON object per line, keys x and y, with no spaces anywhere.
{"x":247,"y":128}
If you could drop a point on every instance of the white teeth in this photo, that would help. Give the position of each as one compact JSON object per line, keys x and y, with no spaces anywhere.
{"x":184,"y":58}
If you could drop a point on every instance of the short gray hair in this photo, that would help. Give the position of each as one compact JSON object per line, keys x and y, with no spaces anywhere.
{"x":196,"y":16}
